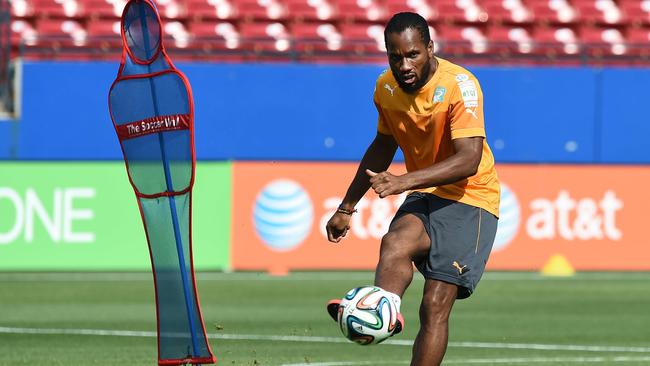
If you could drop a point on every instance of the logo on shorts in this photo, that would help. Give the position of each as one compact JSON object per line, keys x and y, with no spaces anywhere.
{"x":459,"y":268}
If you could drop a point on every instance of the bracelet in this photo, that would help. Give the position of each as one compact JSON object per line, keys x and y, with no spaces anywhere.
{"x":343,"y":210}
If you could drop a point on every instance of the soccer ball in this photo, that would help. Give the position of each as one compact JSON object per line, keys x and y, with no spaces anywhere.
{"x":367,"y":315}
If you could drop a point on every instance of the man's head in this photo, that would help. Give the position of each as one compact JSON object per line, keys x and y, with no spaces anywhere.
{"x":410,"y":50}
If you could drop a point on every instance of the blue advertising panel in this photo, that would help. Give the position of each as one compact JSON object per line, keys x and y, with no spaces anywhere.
{"x":326,"y":113}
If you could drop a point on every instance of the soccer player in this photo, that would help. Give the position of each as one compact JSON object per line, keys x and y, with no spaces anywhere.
{"x":433,"y":110}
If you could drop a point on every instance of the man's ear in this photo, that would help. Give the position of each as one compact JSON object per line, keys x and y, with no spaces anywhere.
{"x":430,"y":48}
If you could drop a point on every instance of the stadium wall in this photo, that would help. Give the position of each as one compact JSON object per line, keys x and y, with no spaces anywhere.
{"x":268,"y":138}
{"x":325,"y":113}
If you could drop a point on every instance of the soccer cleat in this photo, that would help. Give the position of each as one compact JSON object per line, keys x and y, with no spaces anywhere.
{"x":399,"y":326}
{"x":333,"y":308}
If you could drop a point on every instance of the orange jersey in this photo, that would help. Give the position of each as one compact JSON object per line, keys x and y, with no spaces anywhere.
{"x":424,"y":123}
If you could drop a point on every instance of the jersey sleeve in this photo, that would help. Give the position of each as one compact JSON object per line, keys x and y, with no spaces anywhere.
{"x":382,"y":123}
{"x":466,"y":108}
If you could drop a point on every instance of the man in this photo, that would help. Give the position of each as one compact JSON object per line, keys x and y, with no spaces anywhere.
{"x":433,"y":110}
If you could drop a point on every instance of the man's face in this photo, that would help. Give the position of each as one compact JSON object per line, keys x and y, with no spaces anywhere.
{"x":409,"y":59}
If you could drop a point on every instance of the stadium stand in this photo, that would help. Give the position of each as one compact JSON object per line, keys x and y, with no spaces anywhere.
{"x":637,"y":11}
{"x":350,"y":30}
{"x":316,"y":39}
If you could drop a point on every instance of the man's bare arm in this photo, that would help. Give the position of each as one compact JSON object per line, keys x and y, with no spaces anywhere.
{"x":463,"y":164}
{"x":378,"y":156}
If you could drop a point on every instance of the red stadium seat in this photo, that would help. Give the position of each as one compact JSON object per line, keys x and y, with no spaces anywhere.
{"x":422,"y":7}
{"x":22,"y":9}
{"x":103,"y":8}
{"x":61,"y":33}
{"x":552,"y":42}
{"x":449,"y":12}
{"x":175,"y":34}
{"x":363,"y":39}
{"x":458,"y":40}
{"x":638,"y":40}
{"x":362,"y":11}
{"x":636,"y":11}
{"x":48,"y":8}
{"x":172,"y":9}
{"x":587,"y":11}
{"x":311,"y":10}
{"x":599,"y":12}
{"x":312,"y":39}
{"x":201,"y":10}
{"x":263,"y":37}
{"x":80,"y":9}
{"x":350,"y":11}
{"x":542,"y":13}
{"x":301,"y":11}
{"x":249,"y":9}
{"x":507,"y":11}
{"x":263,"y":10}
{"x":104,"y":34}
{"x":496,"y":11}
{"x":206,"y":30}
{"x":600,"y":42}
{"x":461,"y":11}
{"x":213,"y":37}
{"x":639,"y":36}
{"x":51,"y":29}
{"x":23,"y":33}
{"x":507,"y":41}
{"x":554,"y":12}
{"x":398,"y":6}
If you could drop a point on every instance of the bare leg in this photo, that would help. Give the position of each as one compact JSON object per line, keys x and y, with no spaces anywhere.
{"x":431,"y":341}
{"x":405,"y":242}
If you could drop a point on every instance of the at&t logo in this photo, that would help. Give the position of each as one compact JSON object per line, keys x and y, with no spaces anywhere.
{"x":509,"y":218}
{"x":283,"y":214}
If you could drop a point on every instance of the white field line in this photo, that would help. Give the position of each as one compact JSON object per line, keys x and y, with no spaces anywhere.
{"x":298,"y":276}
{"x":504,"y":360}
{"x":200,"y":276}
{"x":313,"y":339}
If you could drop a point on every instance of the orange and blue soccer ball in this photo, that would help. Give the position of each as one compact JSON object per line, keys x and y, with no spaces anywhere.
{"x":367,"y":315}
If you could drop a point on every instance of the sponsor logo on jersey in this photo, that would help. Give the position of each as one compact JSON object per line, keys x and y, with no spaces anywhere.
{"x":462,"y":77}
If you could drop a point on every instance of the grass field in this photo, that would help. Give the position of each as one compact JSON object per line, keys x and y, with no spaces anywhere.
{"x":254,"y":319}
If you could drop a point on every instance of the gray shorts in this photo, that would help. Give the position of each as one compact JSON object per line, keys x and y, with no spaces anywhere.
{"x":461,"y":239}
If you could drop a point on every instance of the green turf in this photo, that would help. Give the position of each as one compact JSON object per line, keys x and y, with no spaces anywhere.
{"x":595,"y":310}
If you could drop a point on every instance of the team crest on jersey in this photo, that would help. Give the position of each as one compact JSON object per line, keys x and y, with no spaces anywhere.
{"x":439,"y":94}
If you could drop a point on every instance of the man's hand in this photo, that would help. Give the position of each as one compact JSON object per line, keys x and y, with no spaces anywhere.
{"x":386,"y":184}
{"x":337,"y":226}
